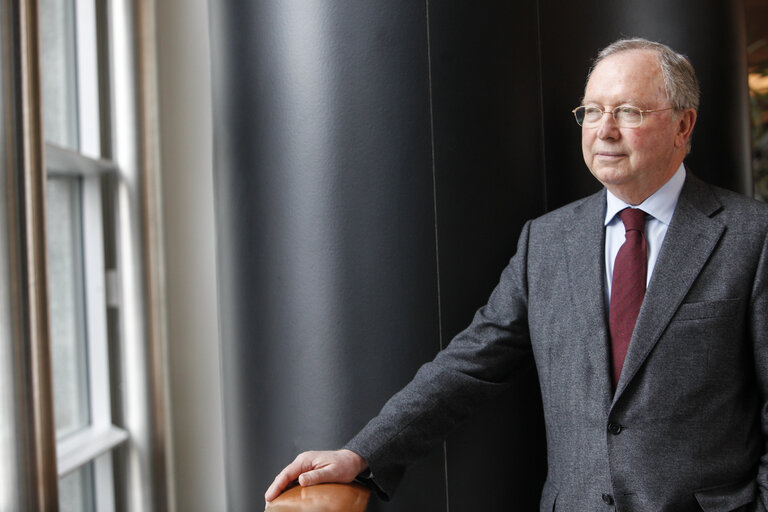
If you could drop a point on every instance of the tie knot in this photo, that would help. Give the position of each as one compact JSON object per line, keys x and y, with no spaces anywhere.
{"x":633,"y":218}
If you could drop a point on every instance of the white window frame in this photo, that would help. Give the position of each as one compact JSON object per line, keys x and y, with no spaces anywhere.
{"x":95,"y":442}
{"x":141,"y":403}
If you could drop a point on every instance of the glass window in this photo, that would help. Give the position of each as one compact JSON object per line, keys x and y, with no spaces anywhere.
{"x":103,"y":357}
{"x":76,"y":491}
{"x":67,"y":303}
{"x":59,"y":80}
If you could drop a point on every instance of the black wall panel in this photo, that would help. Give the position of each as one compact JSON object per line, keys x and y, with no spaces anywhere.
{"x":488,"y":161}
{"x":326,"y":226}
{"x":375,"y":162}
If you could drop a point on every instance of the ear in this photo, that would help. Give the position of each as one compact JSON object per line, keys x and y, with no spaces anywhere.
{"x":685,"y":127}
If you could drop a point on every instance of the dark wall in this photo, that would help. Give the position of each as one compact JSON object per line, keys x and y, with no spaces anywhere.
{"x":374,"y":165}
{"x":326,"y":223}
{"x":488,"y":159}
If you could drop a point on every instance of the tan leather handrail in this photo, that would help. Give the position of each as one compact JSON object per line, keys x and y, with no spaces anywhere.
{"x":322,"y":498}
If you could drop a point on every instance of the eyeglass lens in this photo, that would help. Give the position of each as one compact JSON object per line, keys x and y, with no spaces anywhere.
{"x":625,"y":116}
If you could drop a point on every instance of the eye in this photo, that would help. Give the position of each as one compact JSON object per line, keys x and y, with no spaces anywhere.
{"x":627,"y":113}
{"x":592,"y":114}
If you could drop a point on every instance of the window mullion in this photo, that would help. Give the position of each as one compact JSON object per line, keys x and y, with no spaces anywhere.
{"x":95,"y":296}
{"x":63,"y":161}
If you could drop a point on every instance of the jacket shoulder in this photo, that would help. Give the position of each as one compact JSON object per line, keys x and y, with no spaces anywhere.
{"x":725,"y":204}
{"x":590,"y":207}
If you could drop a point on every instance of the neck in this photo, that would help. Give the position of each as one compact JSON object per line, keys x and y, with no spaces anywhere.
{"x":636,"y":192}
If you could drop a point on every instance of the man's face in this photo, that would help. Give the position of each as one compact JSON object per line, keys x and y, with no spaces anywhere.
{"x":632,"y":162}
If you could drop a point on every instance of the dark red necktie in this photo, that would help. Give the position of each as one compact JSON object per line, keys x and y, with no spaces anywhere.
{"x":628,"y":286}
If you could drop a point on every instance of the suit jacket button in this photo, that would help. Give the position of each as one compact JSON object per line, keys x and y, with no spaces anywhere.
{"x":614,"y":428}
{"x":608,"y":499}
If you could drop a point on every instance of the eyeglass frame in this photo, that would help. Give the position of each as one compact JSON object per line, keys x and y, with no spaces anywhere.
{"x":614,"y":111}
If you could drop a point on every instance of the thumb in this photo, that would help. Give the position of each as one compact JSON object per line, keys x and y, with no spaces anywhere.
{"x":317,"y":476}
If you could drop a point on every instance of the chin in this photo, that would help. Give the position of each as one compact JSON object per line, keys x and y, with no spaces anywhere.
{"x":610,"y":176}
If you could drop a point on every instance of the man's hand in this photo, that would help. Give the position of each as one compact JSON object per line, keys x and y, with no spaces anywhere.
{"x":310,"y":468}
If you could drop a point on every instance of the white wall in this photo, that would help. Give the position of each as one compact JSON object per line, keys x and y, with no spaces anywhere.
{"x":187,"y":181}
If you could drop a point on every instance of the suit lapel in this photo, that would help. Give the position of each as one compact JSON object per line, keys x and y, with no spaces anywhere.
{"x":586,"y":270}
{"x":689,"y":242}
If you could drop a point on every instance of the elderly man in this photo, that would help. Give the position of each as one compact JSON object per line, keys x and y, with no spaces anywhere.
{"x":645,"y":307}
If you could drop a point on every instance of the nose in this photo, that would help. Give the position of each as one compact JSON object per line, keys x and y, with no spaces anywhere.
{"x":608,"y":129}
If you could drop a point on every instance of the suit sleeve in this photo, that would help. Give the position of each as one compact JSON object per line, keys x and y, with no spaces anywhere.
{"x":759,"y":332}
{"x":476,"y":366}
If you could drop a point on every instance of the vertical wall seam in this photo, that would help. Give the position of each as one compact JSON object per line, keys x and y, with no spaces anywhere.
{"x":542,"y":131}
{"x":434,"y":178}
{"x":434,"y":205}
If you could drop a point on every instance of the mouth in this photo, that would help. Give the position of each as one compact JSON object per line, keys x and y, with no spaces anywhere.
{"x":609,"y":155}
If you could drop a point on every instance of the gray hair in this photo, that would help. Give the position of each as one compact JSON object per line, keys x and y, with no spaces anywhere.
{"x":680,"y":84}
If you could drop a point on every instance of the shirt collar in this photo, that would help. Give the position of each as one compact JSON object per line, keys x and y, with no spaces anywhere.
{"x":660,"y":205}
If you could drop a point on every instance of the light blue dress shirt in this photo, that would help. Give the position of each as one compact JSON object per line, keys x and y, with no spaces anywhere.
{"x":660,"y":207}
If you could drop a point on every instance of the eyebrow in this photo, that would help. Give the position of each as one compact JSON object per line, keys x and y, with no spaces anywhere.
{"x":634,"y":103}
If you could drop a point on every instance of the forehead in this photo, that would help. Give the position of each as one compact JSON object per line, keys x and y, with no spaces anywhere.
{"x":627,"y":77}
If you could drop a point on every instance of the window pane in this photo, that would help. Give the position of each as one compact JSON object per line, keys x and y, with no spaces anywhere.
{"x":59,"y":72}
{"x":67,"y":303}
{"x":76,"y":491}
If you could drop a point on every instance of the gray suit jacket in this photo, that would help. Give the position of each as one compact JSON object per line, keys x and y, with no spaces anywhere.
{"x":685,"y":429}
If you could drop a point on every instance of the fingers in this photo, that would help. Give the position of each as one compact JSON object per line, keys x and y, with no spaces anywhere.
{"x":291,"y":472}
{"x":280,"y":482}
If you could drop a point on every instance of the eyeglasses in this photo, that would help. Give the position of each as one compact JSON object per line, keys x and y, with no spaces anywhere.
{"x":626,"y":116}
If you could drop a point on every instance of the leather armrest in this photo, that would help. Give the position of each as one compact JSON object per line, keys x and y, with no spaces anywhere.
{"x":322,"y":498}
